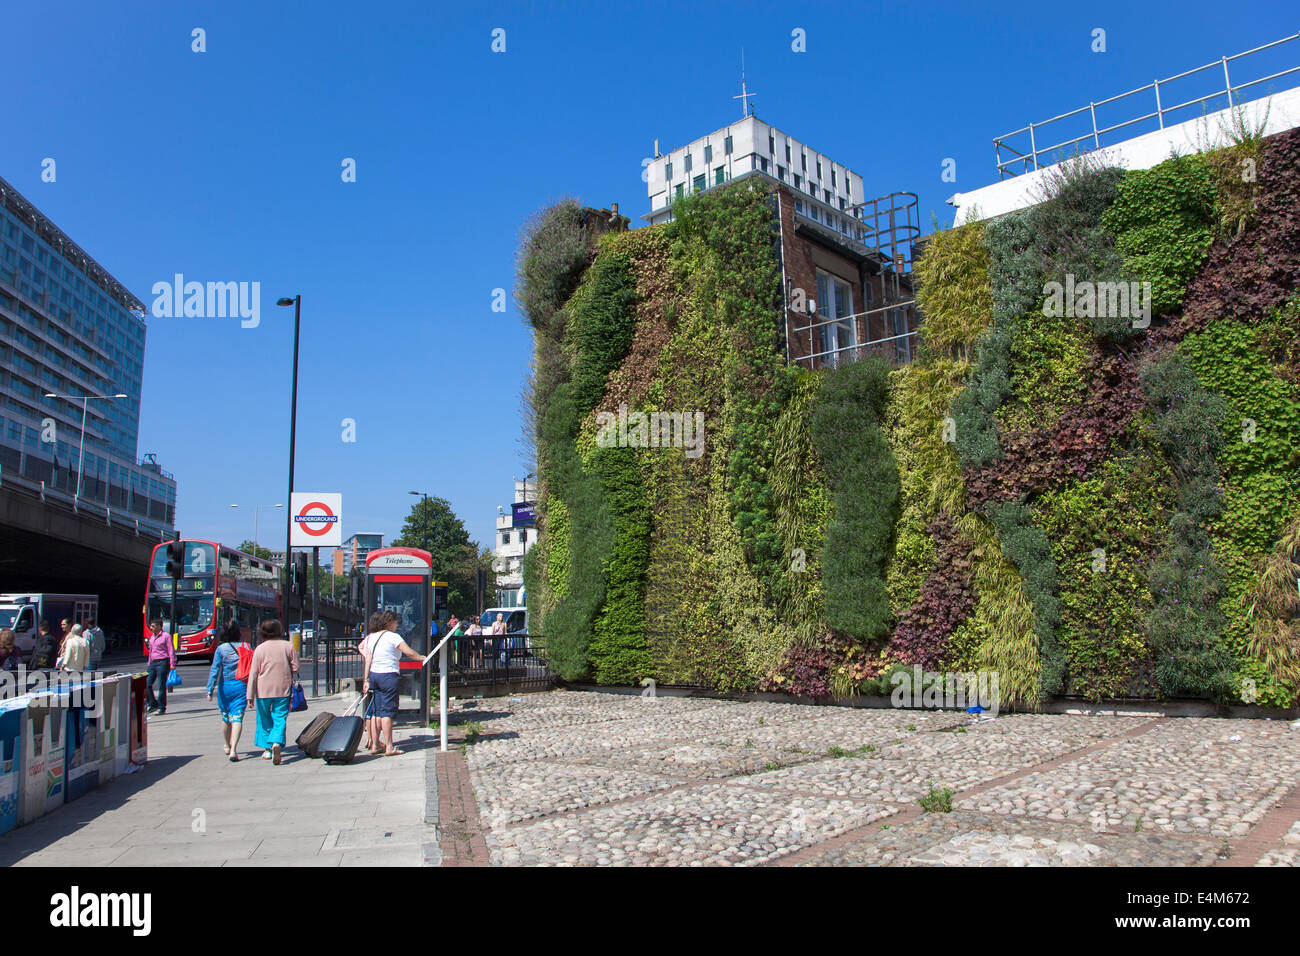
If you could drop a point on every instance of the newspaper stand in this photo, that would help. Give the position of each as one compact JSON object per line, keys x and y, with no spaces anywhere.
{"x":114,"y":712}
{"x":137,"y":732}
{"x":13,"y":720}
{"x":44,"y":755}
{"x":81,"y":746}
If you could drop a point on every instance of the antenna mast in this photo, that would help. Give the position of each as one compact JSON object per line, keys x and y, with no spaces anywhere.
{"x":745,"y":108}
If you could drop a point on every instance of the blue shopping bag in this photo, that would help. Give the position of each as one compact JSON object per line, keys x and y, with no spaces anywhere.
{"x":297,"y":698}
{"x":173,"y":679}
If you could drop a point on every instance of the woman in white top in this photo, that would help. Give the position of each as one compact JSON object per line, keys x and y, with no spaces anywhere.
{"x":384,"y":652}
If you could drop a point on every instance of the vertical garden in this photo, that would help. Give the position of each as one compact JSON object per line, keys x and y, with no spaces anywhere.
{"x":1089,"y":501}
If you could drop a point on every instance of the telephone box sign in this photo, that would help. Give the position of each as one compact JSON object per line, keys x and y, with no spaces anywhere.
{"x":317,"y":520}
{"x":395,"y":559}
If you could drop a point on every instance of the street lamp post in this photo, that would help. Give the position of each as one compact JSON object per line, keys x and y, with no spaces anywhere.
{"x":296,"y":302}
{"x":257,"y":509}
{"x":85,"y":405}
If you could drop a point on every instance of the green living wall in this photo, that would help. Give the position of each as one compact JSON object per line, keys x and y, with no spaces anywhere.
{"x":1099,"y":499}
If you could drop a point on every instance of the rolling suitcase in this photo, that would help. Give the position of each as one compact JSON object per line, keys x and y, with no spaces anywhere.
{"x":339,"y":743}
{"x":309,"y":740}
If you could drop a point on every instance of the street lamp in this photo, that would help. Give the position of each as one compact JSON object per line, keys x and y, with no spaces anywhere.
{"x":256,"y":510}
{"x":85,"y":403}
{"x":296,"y":302}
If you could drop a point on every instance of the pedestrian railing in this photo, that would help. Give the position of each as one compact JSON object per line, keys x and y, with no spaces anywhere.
{"x":513,"y":661}
{"x":1025,"y":150}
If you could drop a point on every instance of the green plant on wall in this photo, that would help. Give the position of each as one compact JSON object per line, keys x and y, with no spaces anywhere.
{"x":1184,"y":624}
{"x":1163,"y":221}
{"x":863,"y":480}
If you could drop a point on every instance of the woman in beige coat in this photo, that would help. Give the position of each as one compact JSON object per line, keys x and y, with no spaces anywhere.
{"x":270,"y":678}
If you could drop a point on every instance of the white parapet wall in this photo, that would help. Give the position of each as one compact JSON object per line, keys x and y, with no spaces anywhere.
{"x":1142,"y":152}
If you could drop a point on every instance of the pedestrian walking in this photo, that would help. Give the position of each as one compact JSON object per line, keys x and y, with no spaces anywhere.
{"x":384,"y":652}
{"x":75,"y":654}
{"x":270,"y":678}
{"x":372,"y":628}
{"x":95,"y":634}
{"x":499,"y":631}
{"x":231,"y":691}
{"x":10,"y":658}
{"x":161,"y":653}
{"x":45,"y":649}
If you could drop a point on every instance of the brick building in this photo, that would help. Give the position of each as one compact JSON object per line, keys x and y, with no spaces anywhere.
{"x":845,"y":260}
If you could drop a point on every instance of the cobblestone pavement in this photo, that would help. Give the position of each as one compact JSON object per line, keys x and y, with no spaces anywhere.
{"x":573,"y":778}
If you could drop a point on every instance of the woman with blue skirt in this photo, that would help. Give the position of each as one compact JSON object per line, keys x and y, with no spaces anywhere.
{"x":232,"y":693}
{"x":270,"y":678}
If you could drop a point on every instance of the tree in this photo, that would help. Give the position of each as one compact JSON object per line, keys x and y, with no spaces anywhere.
{"x":246,"y":546}
{"x":432,"y":526}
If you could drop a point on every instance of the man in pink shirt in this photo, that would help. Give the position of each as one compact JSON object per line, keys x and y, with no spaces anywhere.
{"x":162,"y":658}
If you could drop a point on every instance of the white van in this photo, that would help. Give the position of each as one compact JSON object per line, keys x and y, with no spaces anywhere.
{"x":23,"y":613}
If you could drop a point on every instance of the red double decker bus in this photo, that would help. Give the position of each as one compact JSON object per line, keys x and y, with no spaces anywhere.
{"x":220,"y":585}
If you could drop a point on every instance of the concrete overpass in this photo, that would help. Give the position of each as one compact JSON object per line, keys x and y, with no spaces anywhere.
{"x":49,"y":542}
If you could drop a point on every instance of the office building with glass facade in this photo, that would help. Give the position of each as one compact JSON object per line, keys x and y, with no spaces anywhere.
{"x":69,"y":328}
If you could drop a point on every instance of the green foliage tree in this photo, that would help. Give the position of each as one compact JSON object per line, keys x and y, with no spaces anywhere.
{"x":433,"y":526}
{"x":258,"y":551}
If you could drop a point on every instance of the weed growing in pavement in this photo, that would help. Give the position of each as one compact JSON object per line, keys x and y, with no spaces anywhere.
{"x":473,"y":730}
{"x":1137,"y":825}
{"x":911,"y":726}
{"x":937,"y":801}
{"x":960,"y":730}
{"x":835,"y":750}
{"x":760,"y":721}
{"x":749,"y":743}
{"x":771,"y":765}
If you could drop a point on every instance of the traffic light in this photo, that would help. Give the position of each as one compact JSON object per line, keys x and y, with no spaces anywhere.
{"x":176,"y":559}
{"x":300,"y":573}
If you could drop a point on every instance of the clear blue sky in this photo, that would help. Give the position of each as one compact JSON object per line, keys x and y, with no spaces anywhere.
{"x":225,"y":166}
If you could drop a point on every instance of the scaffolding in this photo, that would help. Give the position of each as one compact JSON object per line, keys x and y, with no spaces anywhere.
{"x":890,"y":227}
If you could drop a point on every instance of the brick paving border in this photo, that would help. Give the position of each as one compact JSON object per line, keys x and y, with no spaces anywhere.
{"x":906,"y":816}
{"x":460,"y":830}
{"x":1267,"y":834}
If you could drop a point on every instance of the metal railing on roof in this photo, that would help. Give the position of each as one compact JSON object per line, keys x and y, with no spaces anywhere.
{"x":1039,"y":156}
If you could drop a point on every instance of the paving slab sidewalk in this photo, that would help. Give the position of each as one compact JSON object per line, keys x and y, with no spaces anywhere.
{"x":190,"y":806}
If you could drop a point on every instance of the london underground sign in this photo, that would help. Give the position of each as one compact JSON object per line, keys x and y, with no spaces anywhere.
{"x":317,"y":520}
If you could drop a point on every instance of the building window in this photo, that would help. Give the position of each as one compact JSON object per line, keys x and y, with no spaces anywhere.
{"x":771,"y":144}
{"x":699,"y":183}
{"x":762,"y":162}
{"x":708,"y":154}
{"x":812,"y":190}
{"x":798,"y":181}
{"x":719,"y":175}
{"x":727,"y":145}
{"x":819,"y":169}
{"x":833,"y":177}
{"x":803,"y":157}
{"x":505,"y":537}
{"x":688,"y":162}
{"x":827,"y":194}
{"x":787,"y":152}
{"x":679,"y":190}
{"x":780,"y":173}
{"x":668,"y":171}
{"x":834,"y":307}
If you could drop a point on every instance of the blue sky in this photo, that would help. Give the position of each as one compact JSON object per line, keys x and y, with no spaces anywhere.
{"x":225,"y":166}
